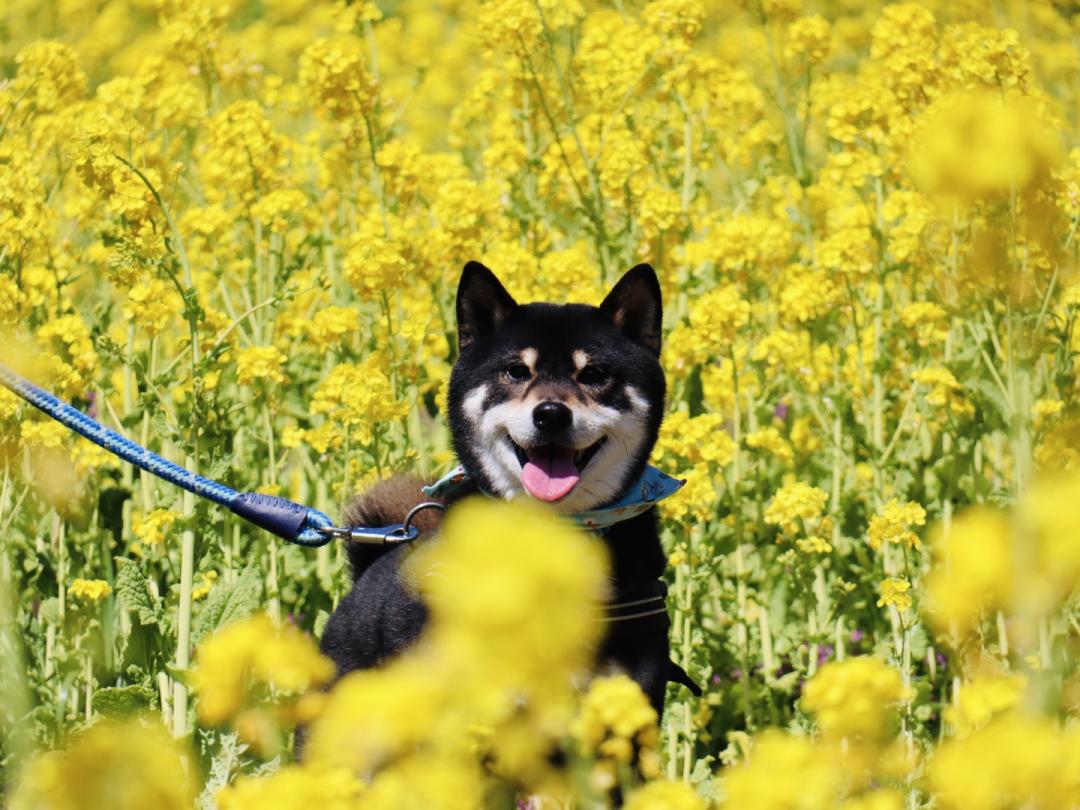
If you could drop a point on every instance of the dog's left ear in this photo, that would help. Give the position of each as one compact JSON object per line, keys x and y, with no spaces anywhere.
{"x":634,"y":307}
{"x":482,"y":304}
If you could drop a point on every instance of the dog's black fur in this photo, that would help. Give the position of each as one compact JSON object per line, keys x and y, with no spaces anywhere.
{"x":380,"y":616}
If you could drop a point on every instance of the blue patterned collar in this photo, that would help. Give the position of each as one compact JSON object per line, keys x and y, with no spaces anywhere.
{"x":651,"y":488}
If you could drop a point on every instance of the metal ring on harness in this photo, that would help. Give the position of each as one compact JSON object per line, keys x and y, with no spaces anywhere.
{"x":420,"y":507}
{"x":398,"y":533}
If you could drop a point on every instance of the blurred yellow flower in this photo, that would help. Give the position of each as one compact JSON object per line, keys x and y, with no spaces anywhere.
{"x":252,"y":653}
{"x":783,"y":771}
{"x":972,"y":569}
{"x":615,"y":720}
{"x":981,"y":699}
{"x":89,"y":590}
{"x":111,"y":766}
{"x":1015,"y":761}
{"x":664,"y":795}
{"x":854,"y":698}
{"x":982,"y":146}
{"x":293,"y":788}
{"x":263,"y":363}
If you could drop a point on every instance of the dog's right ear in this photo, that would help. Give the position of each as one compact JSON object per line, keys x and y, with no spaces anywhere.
{"x":482,"y":304}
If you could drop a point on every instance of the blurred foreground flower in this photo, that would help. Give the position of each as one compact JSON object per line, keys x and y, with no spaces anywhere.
{"x":256,"y":674}
{"x":982,"y":146}
{"x":1015,"y":761}
{"x":513,"y":592}
{"x":854,"y":698}
{"x":1025,"y":564}
{"x":130,"y":766}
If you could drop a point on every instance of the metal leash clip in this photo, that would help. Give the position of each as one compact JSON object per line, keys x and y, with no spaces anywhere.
{"x":382,"y":535}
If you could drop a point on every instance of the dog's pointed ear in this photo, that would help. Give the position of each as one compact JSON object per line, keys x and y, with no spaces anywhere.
{"x":635,"y":308}
{"x":482,"y":304}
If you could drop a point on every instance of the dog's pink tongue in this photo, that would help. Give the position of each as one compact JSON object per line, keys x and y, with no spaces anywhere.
{"x":549,"y":474}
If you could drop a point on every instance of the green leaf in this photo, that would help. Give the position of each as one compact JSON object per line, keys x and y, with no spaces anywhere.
{"x":133,"y":588}
{"x":226,"y":605}
{"x":321,"y":618}
{"x":50,"y":610}
{"x":124,"y":700}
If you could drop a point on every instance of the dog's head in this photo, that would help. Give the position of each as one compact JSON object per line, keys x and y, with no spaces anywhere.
{"x":560,"y":401}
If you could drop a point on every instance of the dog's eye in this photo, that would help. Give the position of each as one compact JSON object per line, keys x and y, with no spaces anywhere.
{"x":518,"y":372}
{"x":592,"y":375}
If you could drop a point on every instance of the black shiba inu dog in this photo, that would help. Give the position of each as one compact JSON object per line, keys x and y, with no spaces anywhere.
{"x":560,"y":402}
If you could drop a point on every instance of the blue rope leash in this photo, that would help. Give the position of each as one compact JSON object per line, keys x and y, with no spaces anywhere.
{"x":288,"y":520}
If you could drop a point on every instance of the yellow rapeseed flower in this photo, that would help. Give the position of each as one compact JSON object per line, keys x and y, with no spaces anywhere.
{"x":530,"y":619}
{"x":615,"y":720}
{"x":895,"y":591}
{"x":794,"y":503}
{"x":294,"y":788}
{"x":893,"y":525}
{"x":783,"y":771}
{"x":253,"y":652}
{"x":261,"y":363}
{"x":854,"y":698}
{"x":89,"y":590}
{"x":972,"y":571}
{"x":112,"y":766}
{"x":665,"y":795}
{"x":981,"y":699}
{"x":1015,"y":761}
{"x":151,"y":529}
{"x":982,"y":146}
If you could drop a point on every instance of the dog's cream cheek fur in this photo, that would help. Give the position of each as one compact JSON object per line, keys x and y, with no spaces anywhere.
{"x":603,"y":476}
{"x":495,"y":454}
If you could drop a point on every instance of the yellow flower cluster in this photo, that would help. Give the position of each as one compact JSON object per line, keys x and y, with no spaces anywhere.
{"x":895,"y":591}
{"x":128,"y":766}
{"x":151,"y":529}
{"x":254,"y":652}
{"x":854,"y":698}
{"x":663,"y":795}
{"x":1024,"y":564}
{"x":500,"y":654}
{"x":617,"y":725}
{"x":987,"y":769}
{"x":893,"y":525}
{"x":89,"y":590}
{"x":261,"y":363}
{"x":797,"y":509}
{"x":943,"y":390}
{"x":355,"y":398}
{"x":982,"y":699}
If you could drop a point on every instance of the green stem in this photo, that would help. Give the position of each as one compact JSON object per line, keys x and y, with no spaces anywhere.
{"x":183,"y":613}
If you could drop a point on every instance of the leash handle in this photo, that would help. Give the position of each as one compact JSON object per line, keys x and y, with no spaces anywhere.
{"x":290,"y":521}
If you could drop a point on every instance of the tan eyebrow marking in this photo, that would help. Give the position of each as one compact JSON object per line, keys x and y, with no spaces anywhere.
{"x":529,"y":358}
{"x":581,"y":359}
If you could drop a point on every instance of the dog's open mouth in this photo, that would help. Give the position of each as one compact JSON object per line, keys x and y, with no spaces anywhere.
{"x":550,"y":471}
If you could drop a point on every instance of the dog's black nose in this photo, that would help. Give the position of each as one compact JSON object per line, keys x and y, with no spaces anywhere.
{"x":552,"y":416}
